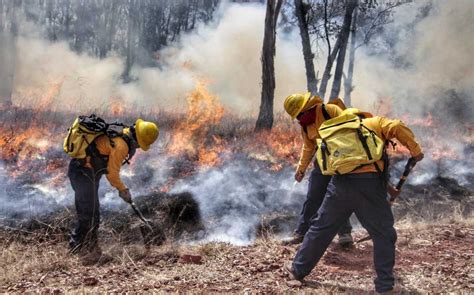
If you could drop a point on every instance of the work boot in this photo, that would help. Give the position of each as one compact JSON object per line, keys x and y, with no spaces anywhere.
{"x":397,"y":289}
{"x":296,"y":238}
{"x":95,"y":257}
{"x":288,"y":267}
{"x":345,"y":240}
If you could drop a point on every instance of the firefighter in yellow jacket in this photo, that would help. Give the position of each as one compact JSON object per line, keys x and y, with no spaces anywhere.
{"x":362,"y":191}
{"x":311,"y":113}
{"x":104,"y":156}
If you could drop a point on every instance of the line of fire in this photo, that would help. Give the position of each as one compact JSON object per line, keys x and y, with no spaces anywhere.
{"x":306,"y":146}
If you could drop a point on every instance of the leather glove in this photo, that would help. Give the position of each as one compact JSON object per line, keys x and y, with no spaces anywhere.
{"x":299,"y":175}
{"x":392,"y":191}
{"x":126,"y":195}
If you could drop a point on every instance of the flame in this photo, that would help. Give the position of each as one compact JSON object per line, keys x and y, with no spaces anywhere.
{"x":117,"y":107}
{"x":43,"y":97}
{"x":205,"y":136}
{"x":48,"y":98}
{"x":281,"y":146}
{"x":25,"y":151}
{"x":190,"y":137}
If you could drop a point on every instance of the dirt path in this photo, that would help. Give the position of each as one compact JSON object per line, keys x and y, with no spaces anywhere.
{"x":436,"y":258}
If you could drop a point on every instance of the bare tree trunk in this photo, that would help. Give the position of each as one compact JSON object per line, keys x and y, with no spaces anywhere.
{"x":8,"y":55}
{"x":265,"y":116}
{"x":331,"y":54}
{"x":102,"y":33}
{"x":112,"y":25}
{"x":301,"y":10}
{"x":348,"y":87}
{"x":67,"y":20}
{"x":341,"y":56}
{"x":7,"y":70}
{"x":130,"y":42}
{"x":195,"y":12}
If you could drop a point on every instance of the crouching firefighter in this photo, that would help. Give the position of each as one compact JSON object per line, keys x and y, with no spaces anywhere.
{"x":98,"y":148}
{"x":311,"y":113}
{"x":353,"y":151}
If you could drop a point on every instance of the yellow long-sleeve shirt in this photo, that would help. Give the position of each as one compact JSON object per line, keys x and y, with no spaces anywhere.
{"x":390,"y":129}
{"x":312,"y":133}
{"x":116,"y":155}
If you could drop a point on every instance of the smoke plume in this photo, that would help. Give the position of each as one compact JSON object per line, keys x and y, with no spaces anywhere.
{"x":422,"y":64}
{"x":227,"y":52}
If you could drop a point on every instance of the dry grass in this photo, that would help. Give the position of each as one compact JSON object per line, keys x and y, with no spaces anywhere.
{"x":18,"y":259}
{"x":431,"y":257}
{"x":422,"y":214}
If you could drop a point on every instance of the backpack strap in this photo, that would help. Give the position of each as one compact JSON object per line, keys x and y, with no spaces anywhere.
{"x":325,"y":112}
{"x":363,"y":140}
{"x":131,"y":148}
{"x":111,"y":134}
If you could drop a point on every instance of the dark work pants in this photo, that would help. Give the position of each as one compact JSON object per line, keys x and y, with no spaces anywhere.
{"x":364,"y":195}
{"x":317,"y":187}
{"x":85,"y":183}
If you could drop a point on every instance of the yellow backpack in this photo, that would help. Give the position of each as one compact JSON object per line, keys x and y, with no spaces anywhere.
{"x":84,"y":131}
{"x":346,"y":144}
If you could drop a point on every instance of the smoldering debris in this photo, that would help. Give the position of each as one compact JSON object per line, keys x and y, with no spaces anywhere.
{"x":179,"y":215}
{"x":171,"y":216}
{"x":234,"y":197}
{"x":277,"y":224}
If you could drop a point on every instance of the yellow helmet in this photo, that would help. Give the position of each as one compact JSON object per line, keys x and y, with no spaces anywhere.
{"x":147,"y":133}
{"x":295,"y":103}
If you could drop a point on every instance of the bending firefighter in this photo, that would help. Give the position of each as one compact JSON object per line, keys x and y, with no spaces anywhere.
{"x":311,"y":113}
{"x":97,"y":149}
{"x":353,"y":151}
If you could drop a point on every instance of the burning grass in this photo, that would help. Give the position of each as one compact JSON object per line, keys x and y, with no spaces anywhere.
{"x":202,"y":137}
{"x":240,"y":178}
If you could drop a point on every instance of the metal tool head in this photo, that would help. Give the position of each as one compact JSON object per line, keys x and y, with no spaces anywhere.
{"x":152,"y":233}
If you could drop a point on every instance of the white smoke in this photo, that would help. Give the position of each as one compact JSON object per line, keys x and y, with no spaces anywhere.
{"x":233,"y":198}
{"x":227,"y":52}
{"x":432,"y":54}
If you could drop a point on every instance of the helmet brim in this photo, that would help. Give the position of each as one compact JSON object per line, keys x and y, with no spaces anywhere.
{"x":303,"y":105}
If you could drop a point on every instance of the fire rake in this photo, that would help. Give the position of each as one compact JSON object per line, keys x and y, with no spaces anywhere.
{"x":149,"y":233}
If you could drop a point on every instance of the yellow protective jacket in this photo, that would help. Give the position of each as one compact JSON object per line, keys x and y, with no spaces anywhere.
{"x":390,"y":129}
{"x":312,"y":133}
{"x":116,"y":155}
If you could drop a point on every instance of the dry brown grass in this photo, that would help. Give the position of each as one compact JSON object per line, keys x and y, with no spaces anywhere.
{"x":430,"y":257}
{"x":18,"y":259}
